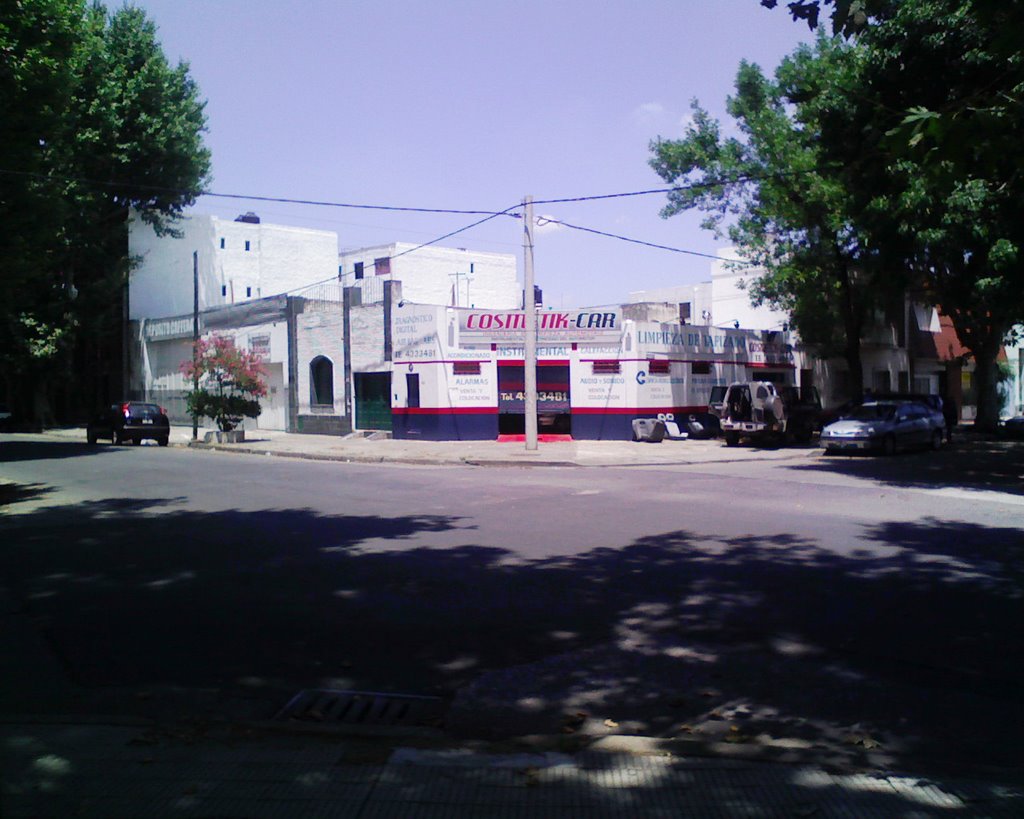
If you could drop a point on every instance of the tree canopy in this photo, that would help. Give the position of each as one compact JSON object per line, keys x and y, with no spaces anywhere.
{"x":929,"y":144}
{"x":910,"y":117}
{"x":96,"y":122}
{"x":782,"y":205}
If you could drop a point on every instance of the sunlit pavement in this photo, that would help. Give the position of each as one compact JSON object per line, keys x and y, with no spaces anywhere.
{"x":123,"y":771}
{"x":477,"y":453}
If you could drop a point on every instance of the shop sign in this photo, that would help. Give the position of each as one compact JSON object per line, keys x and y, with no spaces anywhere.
{"x":260,"y":345}
{"x":494,"y":326}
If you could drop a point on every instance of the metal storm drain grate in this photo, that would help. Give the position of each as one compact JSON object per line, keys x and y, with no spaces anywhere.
{"x":362,"y":708}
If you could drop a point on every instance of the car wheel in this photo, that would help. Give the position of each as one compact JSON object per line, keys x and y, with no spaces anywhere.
{"x":163,"y":441}
{"x":731,"y":438}
{"x":115,"y":438}
{"x":889,"y":445}
{"x":91,"y":438}
{"x":937,"y":439}
{"x":136,"y":441}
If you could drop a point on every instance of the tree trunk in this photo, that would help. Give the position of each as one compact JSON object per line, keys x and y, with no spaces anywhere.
{"x":855,"y":365}
{"x":987,"y":387}
{"x":852,"y":326}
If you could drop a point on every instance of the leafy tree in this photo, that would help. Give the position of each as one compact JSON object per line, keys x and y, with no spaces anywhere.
{"x":230,"y":382}
{"x":783,"y":208}
{"x":848,"y":16}
{"x":95,"y":123}
{"x":929,"y":141}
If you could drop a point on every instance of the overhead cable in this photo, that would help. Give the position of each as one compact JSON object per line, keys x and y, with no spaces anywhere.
{"x":548,"y":221}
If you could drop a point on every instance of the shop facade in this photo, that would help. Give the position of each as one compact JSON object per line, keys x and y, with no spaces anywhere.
{"x":458,"y":374}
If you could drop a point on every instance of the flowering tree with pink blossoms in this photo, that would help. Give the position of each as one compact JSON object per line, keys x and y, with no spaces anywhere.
{"x":230,"y":382}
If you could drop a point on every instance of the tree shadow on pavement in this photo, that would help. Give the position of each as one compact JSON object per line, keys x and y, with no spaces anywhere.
{"x":37,"y":450}
{"x":996,"y":465}
{"x":907,"y":651}
{"x":11,"y":493}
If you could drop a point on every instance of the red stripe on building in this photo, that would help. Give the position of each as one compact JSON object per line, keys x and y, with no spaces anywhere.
{"x":444,"y":410}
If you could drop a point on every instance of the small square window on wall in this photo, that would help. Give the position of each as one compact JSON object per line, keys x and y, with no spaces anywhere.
{"x":359,"y":270}
{"x":658,"y":367}
{"x":466,"y":368}
{"x":701,"y":368}
{"x":382,"y":266}
{"x":611,"y":366}
{"x":247,"y":245}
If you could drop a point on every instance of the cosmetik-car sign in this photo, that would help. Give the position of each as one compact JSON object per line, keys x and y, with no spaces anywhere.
{"x":492,"y":326}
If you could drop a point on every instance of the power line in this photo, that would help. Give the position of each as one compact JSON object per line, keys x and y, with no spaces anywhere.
{"x":488,"y":214}
{"x":460,"y":230}
{"x":547,"y":220}
{"x":276,"y":199}
{"x":316,"y":203}
{"x":713,"y":183}
{"x":402,"y":209}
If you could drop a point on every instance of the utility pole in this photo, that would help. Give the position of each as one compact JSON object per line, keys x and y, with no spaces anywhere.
{"x":195,"y":338}
{"x":530,"y":331}
{"x":458,"y":290}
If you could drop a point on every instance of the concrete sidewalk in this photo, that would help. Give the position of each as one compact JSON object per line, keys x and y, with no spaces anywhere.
{"x":90,"y":770}
{"x":356,"y":449}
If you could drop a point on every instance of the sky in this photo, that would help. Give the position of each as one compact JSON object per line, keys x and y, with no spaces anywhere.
{"x":470,"y":105}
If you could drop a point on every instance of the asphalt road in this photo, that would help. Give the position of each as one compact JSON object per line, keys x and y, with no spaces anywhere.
{"x":867,"y":611}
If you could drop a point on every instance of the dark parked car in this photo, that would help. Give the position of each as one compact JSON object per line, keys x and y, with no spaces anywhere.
{"x":131,"y":421}
{"x":1014,"y":427}
{"x":803,"y":411}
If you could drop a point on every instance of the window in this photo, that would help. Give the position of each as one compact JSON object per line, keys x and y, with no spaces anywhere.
{"x":382,"y":266}
{"x":248,"y":292}
{"x":466,"y":368}
{"x":701,"y":368}
{"x":321,"y":381}
{"x":221,"y":242}
{"x":658,"y":367}
{"x":223,"y":289}
{"x":470,"y":267}
{"x":359,"y":270}
{"x":247,"y":244}
{"x":684,"y":312}
{"x":607,"y":367}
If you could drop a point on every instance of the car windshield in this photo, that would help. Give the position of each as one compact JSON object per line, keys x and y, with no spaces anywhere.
{"x":148,"y":408}
{"x":872,"y":412}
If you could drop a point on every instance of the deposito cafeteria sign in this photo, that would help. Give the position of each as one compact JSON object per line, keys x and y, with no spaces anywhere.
{"x":491,"y":326}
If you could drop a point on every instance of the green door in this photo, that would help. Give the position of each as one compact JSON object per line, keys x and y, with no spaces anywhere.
{"x":373,"y":401}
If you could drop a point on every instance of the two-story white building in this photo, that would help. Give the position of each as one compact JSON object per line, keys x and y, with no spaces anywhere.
{"x":240,"y":271}
{"x":455,"y":277}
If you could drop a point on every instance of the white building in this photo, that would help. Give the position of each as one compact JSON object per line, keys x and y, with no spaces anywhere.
{"x":238,"y":261}
{"x":720,"y":302}
{"x":245,"y":271}
{"x":1013,"y":390}
{"x":454,"y":277}
{"x":904,"y":349}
